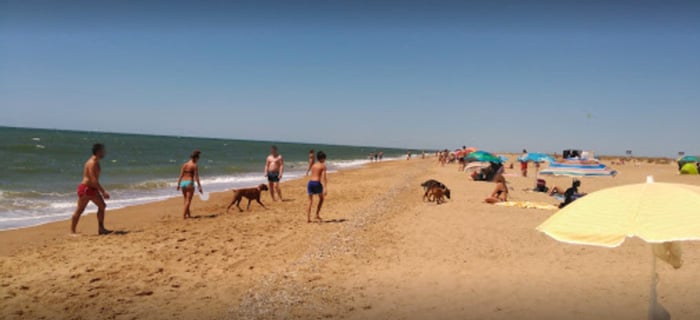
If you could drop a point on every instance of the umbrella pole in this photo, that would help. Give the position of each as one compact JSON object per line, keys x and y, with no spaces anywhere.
{"x":652,"y":291}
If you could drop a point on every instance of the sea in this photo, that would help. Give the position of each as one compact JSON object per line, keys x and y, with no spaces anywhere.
{"x":42,"y":168}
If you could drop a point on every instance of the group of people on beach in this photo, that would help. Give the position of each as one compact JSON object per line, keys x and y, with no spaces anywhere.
{"x":376,"y":156}
{"x":90,"y":189}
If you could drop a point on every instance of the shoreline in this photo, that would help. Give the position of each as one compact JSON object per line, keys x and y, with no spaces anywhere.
{"x":161,"y":194}
{"x":16,"y":239}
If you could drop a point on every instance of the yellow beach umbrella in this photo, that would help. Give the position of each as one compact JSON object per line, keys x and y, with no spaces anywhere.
{"x":658,"y":213}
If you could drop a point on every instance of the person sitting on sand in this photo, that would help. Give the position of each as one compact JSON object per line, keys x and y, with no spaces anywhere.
{"x":570,"y":195}
{"x":189,"y":173}
{"x":318,"y":185}
{"x":90,"y":190}
{"x":312,"y":160}
{"x":500,"y":193}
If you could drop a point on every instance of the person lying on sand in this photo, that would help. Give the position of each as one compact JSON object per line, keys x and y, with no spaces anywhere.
{"x":318,"y":185}
{"x":500,"y":193}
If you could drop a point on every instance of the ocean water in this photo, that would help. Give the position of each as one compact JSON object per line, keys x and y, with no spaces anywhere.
{"x":42,"y":168}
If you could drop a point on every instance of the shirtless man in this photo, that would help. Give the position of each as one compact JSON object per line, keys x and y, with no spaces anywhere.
{"x":91,"y":190}
{"x":312,"y":160}
{"x":318,"y":185}
{"x":274,"y":169}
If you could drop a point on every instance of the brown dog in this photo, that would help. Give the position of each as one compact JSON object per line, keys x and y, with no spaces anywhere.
{"x":250,"y":194}
{"x":436,"y":194}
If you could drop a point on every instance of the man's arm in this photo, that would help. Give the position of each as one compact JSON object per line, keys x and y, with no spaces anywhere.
{"x":281,"y":166}
{"x":324,"y":178}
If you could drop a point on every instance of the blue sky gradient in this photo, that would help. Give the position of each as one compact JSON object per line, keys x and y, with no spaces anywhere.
{"x":499,"y":75}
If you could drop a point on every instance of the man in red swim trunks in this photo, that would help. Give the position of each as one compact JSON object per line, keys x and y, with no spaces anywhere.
{"x":91,"y":190}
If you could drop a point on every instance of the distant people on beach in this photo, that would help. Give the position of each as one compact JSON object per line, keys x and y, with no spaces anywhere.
{"x":462,"y":165}
{"x":523,"y":164}
{"x":422,"y":155}
{"x":274,"y":170}
{"x":376,"y":156}
{"x":381,"y":155}
{"x":312,"y":160}
{"x":500,"y":192}
{"x":408,"y":155}
{"x":318,"y":185}
{"x":90,"y":190}
{"x":442,"y":158}
{"x":189,"y":174}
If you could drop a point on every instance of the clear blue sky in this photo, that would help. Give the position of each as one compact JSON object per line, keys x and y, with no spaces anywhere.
{"x":500,"y":75}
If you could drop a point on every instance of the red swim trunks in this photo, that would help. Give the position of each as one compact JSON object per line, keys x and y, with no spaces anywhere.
{"x":84,"y":190}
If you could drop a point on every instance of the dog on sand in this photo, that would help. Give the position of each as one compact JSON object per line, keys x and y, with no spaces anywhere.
{"x":431,"y":186}
{"x":250,"y":194}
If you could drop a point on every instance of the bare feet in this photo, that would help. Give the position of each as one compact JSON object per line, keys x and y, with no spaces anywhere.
{"x":319,"y":218}
{"x":104,"y":232}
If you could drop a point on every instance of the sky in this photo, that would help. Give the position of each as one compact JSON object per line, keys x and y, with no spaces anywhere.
{"x":609,"y":76}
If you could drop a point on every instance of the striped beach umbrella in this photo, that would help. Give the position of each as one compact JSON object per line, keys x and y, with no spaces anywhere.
{"x":578,"y":168}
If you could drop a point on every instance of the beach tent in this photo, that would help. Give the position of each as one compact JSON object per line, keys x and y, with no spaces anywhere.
{"x":659,"y":213}
{"x":689,"y":168}
{"x":578,"y":168}
{"x":686,"y":160}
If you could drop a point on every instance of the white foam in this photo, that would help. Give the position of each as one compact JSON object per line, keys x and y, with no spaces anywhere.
{"x":45,"y":207}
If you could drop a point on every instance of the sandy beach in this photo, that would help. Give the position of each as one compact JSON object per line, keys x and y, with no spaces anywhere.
{"x":382,"y":253}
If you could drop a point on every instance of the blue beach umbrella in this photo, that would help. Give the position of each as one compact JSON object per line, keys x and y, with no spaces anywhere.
{"x":687,"y":159}
{"x":537,"y":157}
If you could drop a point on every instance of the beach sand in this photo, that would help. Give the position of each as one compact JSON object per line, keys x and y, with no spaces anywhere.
{"x":382,"y":254}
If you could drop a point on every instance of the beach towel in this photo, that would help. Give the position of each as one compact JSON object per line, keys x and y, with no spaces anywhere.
{"x":528,"y":205}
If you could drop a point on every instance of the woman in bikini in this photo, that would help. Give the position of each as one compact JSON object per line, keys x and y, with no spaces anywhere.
{"x":500,"y":193}
{"x":188,"y":175}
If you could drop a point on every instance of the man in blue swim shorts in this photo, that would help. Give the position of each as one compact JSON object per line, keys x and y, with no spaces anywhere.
{"x":318,"y":185}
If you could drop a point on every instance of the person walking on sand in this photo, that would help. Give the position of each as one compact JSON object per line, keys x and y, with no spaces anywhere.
{"x":318,"y":185}
{"x":312,"y":160}
{"x":189,"y":173}
{"x":274,"y":169}
{"x":90,"y":190}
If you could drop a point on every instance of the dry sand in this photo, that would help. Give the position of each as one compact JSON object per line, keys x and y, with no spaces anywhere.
{"x":383,"y":254}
